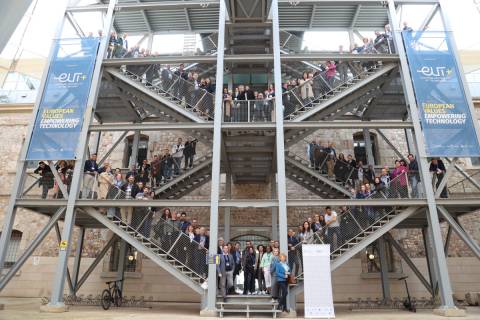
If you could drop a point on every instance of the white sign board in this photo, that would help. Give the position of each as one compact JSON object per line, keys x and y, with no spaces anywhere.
{"x":317,"y":281}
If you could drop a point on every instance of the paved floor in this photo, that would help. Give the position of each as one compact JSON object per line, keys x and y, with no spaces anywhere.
{"x":26,"y":309}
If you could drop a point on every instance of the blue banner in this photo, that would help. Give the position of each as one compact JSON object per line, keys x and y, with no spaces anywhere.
{"x":59,"y":119}
{"x":445,"y":116}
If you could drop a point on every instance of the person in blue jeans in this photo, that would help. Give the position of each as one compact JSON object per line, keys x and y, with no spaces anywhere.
{"x":282,"y":272}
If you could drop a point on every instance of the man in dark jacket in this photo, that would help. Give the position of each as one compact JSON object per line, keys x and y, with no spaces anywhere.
{"x":189,"y":152}
{"x":438,"y":170}
{"x":413,"y":175}
{"x":46,"y":178}
{"x":90,"y":170}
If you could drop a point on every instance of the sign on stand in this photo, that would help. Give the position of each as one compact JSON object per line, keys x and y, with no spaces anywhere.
{"x":317,"y":281}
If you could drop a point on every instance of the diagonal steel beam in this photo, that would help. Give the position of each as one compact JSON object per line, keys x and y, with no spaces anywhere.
{"x":398,"y":153}
{"x":447,"y":176}
{"x":472,"y":244}
{"x":31,"y":248}
{"x":95,"y":262}
{"x":143,"y":249}
{"x":465,"y":174}
{"x":345,"y":93}
{"x":60,"y":183}
{"x":355,"y":16}
{"x":409,"y":262}
{"x":115,"y":144}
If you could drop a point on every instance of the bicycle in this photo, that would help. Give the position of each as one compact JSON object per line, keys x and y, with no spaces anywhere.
{"x":112,"y":295}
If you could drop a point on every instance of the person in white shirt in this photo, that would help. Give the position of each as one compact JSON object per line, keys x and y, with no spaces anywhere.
{"x":333,"y":225}
{"x":177,"y":155}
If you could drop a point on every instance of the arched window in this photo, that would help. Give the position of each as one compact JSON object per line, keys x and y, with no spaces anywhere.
{"x":255,"y":238}
{"x":360,"y":148}
{"x":142,"y":149}
{"x":12,"y":249}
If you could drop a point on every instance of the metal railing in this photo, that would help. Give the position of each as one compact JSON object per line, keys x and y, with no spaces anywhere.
{"x":204,"y":45}
{"x":317,"y":89}
{"x":352,"y":223}
{"x":291,"y":43}
{"x":189,"y":94}
{"x":402,"y":185}
{"x":249,"y":110}
{"x":167,"y":235}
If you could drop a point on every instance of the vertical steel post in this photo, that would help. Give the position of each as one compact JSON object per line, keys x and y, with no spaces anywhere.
{"x":432,"y":274}
{"x":122,"y":255}
{"x":77,"y":260}
{"x":274,"y":209}
{"x":432,"y":215}
{"x":10,"y":210}
{"x":368,"y":147}
{"x":216,"y":158}
{"x":134,"y":155}
{"x":384,"y":269}
{"x":279,"y":142}
{"x":56,"y":301}
{"x":227,"y":215}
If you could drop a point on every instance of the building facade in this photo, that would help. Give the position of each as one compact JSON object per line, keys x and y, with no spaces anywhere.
{"x":245,"y":184}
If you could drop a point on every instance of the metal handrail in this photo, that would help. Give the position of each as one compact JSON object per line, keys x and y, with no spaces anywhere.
{"x":331,"y":90}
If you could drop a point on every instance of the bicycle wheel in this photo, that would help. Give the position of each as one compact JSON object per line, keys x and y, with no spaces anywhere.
{"x":106,"y":299}
{"x":117,"y":297}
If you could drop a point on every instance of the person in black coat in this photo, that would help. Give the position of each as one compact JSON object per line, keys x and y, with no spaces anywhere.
{"x":437,"y":168}
{"x":46,"y":178}
{"x":249,"y":269}
{"x":189,"y":152}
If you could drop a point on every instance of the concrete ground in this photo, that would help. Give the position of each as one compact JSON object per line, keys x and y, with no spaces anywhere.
{"x":26,"y":309}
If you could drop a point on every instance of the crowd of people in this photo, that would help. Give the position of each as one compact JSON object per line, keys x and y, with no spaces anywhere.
{"x":401,"y":181}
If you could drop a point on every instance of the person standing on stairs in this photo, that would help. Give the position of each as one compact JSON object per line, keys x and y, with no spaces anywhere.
{"x":282,"y":271}
{"x":189,"y":153}
{"x":177,"y":155}
{"x":249,"y":269}
{"x":273,"y":273}
{"x":265,"y":268}
{"x":259,"y":271}
{"x":331,"y":157}
{"x":225,"y":271}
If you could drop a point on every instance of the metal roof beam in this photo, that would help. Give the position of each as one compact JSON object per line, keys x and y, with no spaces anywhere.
{"x":138,"y":6}
{"x":250,"y":58}
{"x":355,"y":16}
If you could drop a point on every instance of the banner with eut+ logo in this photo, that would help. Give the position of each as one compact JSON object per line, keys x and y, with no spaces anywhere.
{"x":59,"y":119}
{"x":445,"y":116}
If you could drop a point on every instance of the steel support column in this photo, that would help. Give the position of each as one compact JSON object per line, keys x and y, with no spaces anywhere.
{"x":133,"y":157}
{"x":56,"y":301}
{"x":216,"y":158}
{"x":368,"y":147}
{"x":432,"y":273}
{"x":10,"y":210}
{"x":226,"y":212}
{"x":279,"y":142}
{"x":274,"y":209}
{"x":447,"y":241}
{"x":122,"y":255}
{"x":77,"y":260}
{"x":432,"y":215}
{"x":384,"y":269}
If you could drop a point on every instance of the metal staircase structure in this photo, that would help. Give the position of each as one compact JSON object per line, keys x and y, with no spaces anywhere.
{"x":163,"y":256}
{"x":187,"y":181}
{"x":378,"y":95}
{"x":364,"y":238}
{"x":317,"y":182}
